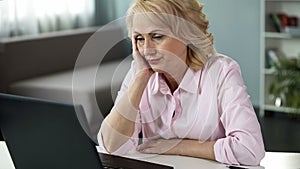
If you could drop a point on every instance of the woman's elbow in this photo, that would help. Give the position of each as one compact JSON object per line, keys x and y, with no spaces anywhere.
{"x":257,"y":158}
{"x":252,"y":158}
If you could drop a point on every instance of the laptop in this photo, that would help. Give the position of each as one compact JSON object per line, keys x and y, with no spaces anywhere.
{"x":50,"y":135}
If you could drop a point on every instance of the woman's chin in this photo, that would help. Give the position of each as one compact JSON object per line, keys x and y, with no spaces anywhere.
{"x":158,"y":69}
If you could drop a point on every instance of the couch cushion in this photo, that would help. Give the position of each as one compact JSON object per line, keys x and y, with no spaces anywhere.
{"x":95,"y":89}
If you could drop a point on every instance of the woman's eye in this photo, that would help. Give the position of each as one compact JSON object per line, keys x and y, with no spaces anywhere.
{"x":158,"y":37}
{"x":139,"y":38}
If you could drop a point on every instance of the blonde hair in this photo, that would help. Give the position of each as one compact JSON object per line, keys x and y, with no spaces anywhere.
{"x":193,"y":27}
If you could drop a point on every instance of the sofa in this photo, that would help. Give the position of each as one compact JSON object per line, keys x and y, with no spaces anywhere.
{"x":84,"y":66}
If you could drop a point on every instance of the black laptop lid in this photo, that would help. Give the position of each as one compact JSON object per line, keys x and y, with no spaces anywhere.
{"x":42,"y":134}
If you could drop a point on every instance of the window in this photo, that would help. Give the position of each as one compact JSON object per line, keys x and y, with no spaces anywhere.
{"x":19,"y":17}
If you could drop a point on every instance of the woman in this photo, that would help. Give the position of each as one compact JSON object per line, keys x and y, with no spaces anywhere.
{"x":183,"y":97}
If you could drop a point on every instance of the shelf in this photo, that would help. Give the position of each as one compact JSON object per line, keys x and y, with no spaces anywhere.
{"x":278,"y":35}
{"x":269,"y":71}
{"x":281,"y":109}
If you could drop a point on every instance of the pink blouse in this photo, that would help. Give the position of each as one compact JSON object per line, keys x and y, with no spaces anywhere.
{"x":210,"y":104}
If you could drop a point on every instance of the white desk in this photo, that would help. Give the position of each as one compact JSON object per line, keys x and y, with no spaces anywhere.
{"x":5,"y":160}
{"x":272,"y":160}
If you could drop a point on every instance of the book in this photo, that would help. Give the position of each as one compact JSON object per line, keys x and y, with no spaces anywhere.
{"x":276,"y":22}
{"x":273,"y":55}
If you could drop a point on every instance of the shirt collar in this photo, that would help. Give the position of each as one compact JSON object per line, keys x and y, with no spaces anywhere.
{"x":155,"y":83}
{"x":159,"y":84}
{"x":189,"y":83}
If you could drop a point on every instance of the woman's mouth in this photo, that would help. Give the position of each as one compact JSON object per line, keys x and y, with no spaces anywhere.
{"x":153,"y":61}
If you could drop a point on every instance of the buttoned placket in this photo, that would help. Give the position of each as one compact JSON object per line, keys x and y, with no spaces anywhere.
{"x":174,"y":104}
{"x":177,"y":110}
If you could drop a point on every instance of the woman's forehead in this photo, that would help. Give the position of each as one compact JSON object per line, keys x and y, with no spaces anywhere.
{"x":145,"y":24}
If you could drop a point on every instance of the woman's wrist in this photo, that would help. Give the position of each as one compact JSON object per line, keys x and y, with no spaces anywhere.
{"x":195,"y":148}
{"x":144,"y":74}
{"x":136,"y":89}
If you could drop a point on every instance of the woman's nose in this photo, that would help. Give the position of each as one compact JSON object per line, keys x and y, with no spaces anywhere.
{"x":149,"y":48}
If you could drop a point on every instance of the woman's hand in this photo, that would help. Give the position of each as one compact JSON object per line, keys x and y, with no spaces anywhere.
{"x":160,"y":146}
{"x":141,"y":64}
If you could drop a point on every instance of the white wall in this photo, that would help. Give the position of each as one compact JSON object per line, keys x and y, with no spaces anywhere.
{"x":236,"y":25}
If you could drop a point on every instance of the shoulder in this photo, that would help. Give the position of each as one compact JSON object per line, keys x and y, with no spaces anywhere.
{"x":220,"y":68}
{"x":221,"y":61}
{"x":220,"y":64}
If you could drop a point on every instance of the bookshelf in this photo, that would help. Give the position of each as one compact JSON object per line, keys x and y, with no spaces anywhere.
{"x":285,"y":42}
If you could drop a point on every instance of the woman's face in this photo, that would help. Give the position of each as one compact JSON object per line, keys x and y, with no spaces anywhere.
{"x":155,"y":43}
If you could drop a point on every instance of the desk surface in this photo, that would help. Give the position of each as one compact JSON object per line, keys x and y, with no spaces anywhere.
{"x":272,"y":160}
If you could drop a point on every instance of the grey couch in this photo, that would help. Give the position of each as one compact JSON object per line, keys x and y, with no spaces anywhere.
{"x":43,"y":67}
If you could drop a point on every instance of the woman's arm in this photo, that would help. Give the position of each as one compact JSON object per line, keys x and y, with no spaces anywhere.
{"x":243,"y":142}
{"x":184,"y":147}
{"x":120,"y":123}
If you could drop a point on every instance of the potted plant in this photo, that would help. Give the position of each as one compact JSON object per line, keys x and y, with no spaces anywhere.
{"x":286,"y":82}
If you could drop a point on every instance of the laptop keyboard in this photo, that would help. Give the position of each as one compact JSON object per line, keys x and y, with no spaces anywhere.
{"x":117,"y":162}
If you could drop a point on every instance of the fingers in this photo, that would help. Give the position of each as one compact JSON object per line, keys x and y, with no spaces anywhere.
{"x":150,"y":151}
{"x":135,"y":52}
{"x":154,"y":147}
{"x":134,"y":46}
{"x":148,"y":147}
{"x":141,"y":63}
{"x":160,"y":146}
{"x":145,"y":145}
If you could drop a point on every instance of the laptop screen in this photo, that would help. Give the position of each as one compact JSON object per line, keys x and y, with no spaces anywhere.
{"x":1,"y":137}
{"x":42,"y":134}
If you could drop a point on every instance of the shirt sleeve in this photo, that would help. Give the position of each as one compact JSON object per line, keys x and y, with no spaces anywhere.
{"x":133,"y":141}
{"x":243,"y":143}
